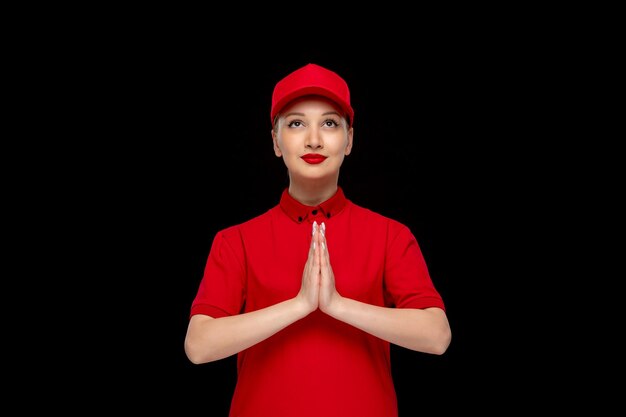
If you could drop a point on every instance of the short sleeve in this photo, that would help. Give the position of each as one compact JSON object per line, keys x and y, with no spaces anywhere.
{"x":222,"y":291}
{"x":407,"y":282}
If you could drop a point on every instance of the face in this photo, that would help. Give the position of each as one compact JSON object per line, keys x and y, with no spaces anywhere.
{"x":312,"y":136}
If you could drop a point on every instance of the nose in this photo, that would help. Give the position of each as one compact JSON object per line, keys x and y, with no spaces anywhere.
{"x":314,"y":138}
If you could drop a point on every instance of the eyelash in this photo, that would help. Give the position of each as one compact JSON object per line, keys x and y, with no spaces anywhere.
{"x":334,"y":123}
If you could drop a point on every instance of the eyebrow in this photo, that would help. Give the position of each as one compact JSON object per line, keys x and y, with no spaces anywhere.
{"x":323,"y":114}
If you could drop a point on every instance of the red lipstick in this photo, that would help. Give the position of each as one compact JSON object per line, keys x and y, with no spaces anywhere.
{"x":313,"y":158}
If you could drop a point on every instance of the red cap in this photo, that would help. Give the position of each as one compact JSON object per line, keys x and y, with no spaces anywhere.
{"x":312,"y":79}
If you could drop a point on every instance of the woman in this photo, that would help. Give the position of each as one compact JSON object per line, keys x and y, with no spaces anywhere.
{"x":311,"y":293}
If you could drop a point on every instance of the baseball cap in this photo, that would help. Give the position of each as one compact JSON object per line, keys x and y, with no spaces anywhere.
{"x":312,"y":79}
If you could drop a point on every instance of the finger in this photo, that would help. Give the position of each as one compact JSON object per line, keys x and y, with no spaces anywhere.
{"x":320,"y":244}
{"x":314,"y":233}
{"x":322,"y":240}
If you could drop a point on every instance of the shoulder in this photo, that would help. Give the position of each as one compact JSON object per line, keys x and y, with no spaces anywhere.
{"x":379,"y":224}
{"x":249,"y":225}
{"x":375,"y":217}
{"x":395,"y":235}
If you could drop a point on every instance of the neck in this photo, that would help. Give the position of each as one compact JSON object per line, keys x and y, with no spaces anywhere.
{"x":312,"y":194}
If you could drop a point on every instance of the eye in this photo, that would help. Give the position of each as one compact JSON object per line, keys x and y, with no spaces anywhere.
{"x":295,"y":123}
{"x":330,"y":123}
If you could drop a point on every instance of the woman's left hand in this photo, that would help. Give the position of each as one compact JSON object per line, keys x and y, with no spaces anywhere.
{"x":328,"y":295}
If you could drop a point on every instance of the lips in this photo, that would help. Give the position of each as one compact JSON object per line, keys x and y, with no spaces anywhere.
{"x":313,"y":158}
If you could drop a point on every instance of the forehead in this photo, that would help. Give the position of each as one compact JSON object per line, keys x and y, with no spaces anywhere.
{"x":311,"y":104}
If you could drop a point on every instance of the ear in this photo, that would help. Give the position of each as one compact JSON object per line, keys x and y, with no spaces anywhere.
{"x":277,"y":150}
{"x":349,"y":144}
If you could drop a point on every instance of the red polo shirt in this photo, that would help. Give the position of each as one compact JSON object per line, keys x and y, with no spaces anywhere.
{"x":317,"y":366}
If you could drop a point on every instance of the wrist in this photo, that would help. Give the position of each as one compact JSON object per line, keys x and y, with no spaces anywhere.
{"x":336,"y":307}
{"x":301,"y":308}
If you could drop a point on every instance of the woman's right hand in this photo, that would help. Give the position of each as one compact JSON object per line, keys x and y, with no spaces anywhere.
{"x":310,"y":289}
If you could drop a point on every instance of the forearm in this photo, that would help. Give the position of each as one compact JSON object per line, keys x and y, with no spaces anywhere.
{"x":209,"y":339}
{"x":424,"y":330}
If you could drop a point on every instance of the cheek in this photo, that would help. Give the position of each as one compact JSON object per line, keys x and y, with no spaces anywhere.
{"x":287,"y":147}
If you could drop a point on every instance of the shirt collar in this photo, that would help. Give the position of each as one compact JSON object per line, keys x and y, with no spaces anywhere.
{"x":299,"y":212}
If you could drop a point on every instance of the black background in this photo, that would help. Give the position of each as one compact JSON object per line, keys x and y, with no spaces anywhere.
{"x":174,"y":144}
{"x":133,"y":134}
{"x":424,"y":137}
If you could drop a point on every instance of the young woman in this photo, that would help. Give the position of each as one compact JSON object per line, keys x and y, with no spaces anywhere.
{"x":311,"y":293}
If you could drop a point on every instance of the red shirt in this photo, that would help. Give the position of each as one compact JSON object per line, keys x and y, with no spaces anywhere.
{"x":317,"y":366}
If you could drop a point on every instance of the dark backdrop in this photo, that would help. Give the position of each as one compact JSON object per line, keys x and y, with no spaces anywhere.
{"x":133,"y":136}
{"x":179,"y":147}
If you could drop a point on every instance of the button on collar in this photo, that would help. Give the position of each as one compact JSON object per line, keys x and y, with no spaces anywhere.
{"x":299,"y":212}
